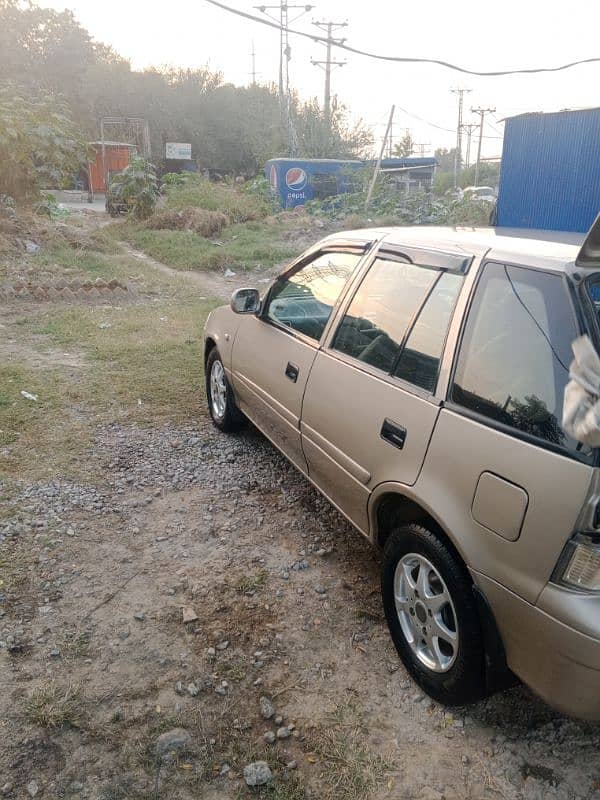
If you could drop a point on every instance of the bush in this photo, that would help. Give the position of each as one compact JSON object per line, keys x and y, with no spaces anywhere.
{"x":137,"y":186}
{"x":198,"y":220}
{"x":174,"y":179}
{"x":50,"y":208}
{"x":237,"y":202}
{"x":390,"y":207}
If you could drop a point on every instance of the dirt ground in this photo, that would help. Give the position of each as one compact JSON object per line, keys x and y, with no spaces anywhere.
{"x":177,"y":604}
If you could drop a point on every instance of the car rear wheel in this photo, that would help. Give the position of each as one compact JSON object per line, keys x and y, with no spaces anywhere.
{"x":221,"y":403}
{"x":432,"y":616}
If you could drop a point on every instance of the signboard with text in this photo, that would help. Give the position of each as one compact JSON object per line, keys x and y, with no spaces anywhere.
{"x":181,"y":151}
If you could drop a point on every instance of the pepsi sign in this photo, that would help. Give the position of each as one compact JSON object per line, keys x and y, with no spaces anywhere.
{"x":296,"y":179}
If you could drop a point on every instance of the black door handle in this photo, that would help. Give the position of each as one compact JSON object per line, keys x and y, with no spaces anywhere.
{"x":393,"y":433}
{"x":291,"y":372}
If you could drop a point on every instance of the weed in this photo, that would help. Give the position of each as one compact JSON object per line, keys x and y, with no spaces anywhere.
{"x":352,"y":769}
{"x":76,"y":645}
{"x":51,"y":707}
{"x":289,"y":788}
{"x":249,"y":584}
{"x":14,"y":570}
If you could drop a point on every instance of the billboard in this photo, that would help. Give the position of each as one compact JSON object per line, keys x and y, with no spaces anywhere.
{"x":181,"y":151}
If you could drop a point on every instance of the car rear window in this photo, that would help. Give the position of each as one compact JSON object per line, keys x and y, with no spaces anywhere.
{"x":513,"y":363}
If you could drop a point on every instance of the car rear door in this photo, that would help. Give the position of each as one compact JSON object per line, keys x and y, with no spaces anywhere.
{"x":369,"y":406}
{"x":274,"y":351}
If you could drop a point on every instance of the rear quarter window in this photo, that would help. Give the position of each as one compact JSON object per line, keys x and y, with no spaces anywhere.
{"x":513,"y":362}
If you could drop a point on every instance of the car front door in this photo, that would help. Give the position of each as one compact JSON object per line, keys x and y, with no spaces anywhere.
{"x":274,"y":351}
{"x":369,"y":407}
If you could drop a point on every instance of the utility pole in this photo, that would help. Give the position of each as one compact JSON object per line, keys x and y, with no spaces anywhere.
{"x":458,"y":154}
{"x":482,"y":112}
{"x":421,"y":147}
{"x":285,"y":53}
{"x":253,"y":54}
{"x":329,"y":62}
{"x":379,"y":160}
{"x":469,"y":128}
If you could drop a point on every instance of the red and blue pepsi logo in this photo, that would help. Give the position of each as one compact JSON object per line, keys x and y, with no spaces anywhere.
{"x":296,"y":179}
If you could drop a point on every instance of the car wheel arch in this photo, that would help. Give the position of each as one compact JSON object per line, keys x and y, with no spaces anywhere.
{"x":209,"y":345}
{"x":392,"y":506}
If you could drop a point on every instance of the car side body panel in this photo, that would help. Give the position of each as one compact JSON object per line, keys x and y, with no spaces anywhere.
{"x":272,"y":400}
{"x":344,"y":412}
{"x":221,"y":327}
{"x":461,"y":451}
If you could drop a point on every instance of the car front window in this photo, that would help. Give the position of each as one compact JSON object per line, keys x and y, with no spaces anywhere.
{"x":304,"y":300}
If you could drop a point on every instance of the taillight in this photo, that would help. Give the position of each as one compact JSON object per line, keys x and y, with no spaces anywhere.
{"x":579,"y":565}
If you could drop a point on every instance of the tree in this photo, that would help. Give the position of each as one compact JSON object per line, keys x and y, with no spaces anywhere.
{"x":40,"y":145}
{"x":405,"y":147}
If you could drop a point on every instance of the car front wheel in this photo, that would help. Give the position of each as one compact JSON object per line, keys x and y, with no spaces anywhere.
{"x":221,"y":403}
{"x":432,"y":616}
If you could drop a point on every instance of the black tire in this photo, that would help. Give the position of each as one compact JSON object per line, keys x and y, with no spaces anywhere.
{"x":231,"y":419}
{"x":463,"y":681}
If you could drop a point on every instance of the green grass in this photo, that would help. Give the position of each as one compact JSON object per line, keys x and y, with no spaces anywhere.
{"x":242,"y":247}
{"x":232,"y":200}
{"x":150,"y":353}
{"x":59,"y":260}
{"x":146,"y":366}
{"x":29,"y":429}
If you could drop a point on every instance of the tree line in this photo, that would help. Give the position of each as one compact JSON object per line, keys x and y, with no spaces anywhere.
{"x":57,"y":82}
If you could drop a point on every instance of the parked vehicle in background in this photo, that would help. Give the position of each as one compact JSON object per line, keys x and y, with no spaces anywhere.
{"x":114,"y":201}
{"x":482,"y":194}
{"x":416,"y":377}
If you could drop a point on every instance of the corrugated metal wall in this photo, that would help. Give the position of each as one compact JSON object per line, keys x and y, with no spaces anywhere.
{"x":550,"y":174}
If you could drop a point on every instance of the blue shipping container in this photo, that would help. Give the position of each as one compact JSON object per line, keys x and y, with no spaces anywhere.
{"x":550,"y":173}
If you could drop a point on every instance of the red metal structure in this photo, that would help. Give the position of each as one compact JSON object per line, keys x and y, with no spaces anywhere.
{"x":116,"y":157}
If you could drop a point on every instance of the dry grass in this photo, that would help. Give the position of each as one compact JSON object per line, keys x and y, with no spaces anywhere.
{"x":51,"y":707}
{"x":249,"y":584}
{"x":351,"y":769}
{"x":198,"y":220}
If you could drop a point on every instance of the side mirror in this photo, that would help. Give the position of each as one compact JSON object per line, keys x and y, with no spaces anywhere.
{"x":245,"y":301}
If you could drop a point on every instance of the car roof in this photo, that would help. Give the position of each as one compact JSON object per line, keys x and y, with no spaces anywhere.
{"x":552,"y":250}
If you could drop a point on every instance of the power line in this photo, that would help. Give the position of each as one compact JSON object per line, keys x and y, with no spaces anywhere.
{"x":405,"y":59}
{"x":432,"y":124}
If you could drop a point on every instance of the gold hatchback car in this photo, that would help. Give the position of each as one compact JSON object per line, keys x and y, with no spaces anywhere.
{"x":416,"y":376}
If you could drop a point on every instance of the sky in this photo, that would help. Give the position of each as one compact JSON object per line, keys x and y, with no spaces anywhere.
{"x":470,"y":33}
